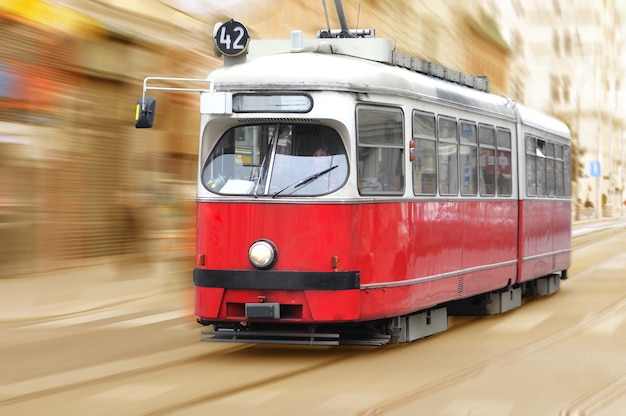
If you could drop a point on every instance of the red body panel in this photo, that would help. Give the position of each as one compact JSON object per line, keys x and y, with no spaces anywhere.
{"x":545,"y":237}
{"x":410,"y":255}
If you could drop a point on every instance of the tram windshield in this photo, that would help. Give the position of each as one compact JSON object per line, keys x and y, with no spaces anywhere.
{"x":277,"y":160}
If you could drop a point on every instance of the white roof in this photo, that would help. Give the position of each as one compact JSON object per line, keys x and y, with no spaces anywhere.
{"x":533,"y":118}
{"x":308,"y":71}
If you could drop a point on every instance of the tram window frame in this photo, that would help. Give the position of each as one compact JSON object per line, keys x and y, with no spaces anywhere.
{"x":540,"y":167}
{"x":560,"y":171}
{"x":468,"y":137}
{"x":567,"y":171}
{"x":550,"y":170}
{"x":272,"y":159}
{"x":448,"y":184}
{"x":531,"y":163}
{"x":388,"y":172}
{"x":504,"y":181}
{"x":424,"y":166}
{"x":487,"y":152}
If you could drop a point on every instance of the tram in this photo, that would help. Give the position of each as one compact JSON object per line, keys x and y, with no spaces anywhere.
{"x":351,"y":194}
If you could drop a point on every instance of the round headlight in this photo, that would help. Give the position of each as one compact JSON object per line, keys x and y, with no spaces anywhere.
{"x":262,"y":254}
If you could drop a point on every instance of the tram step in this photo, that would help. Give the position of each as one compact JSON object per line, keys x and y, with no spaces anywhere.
{"x":291,"y":338}
{"x":271,"y":337}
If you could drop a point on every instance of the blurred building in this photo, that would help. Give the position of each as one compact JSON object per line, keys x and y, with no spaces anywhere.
{"x":77,"y":182}
{"x":37,"y":74}
{"x":461,"y":35}
{"x":568,"y":61}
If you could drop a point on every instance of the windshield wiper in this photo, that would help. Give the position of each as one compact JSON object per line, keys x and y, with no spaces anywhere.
{"x":305,"y":181}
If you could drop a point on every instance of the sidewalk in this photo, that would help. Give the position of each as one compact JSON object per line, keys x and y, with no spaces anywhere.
{"x":82,"y":288}
{"x":586,"y":226}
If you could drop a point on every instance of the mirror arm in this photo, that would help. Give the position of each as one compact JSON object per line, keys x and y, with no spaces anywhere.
{"x":144,"y":117}
{"x":146,"y":87}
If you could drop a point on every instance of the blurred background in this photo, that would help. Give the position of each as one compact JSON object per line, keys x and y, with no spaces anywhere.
{"x":79,"y":185}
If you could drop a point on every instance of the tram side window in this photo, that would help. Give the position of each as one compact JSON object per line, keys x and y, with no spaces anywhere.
{"x":550,"y":170}
{"x":504,"y":181}
{"x":560,"y":175}
{"x":380,"y":150}
{"x":424,"y":167}
{"x":487,"y":159}
{"x":541,"y":167}
{"x":567,"y":161}
{"x":448,"y":160}
{"x":531,"y":177}
{"x":468,"y":156}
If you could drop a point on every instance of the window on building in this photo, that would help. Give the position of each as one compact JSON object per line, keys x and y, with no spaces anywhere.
{"x":556,"y":43}
{"x":555,"y":87}
{"x":566,"y":89}
{"x":567,"y":44}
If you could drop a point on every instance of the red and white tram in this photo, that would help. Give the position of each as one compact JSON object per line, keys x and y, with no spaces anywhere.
{"x":351,"y":194}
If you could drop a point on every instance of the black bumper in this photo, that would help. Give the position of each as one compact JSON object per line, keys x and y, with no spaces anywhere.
{"x":276,"y":280}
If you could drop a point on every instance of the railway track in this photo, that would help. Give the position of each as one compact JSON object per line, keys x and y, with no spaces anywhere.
{"x":52,"y":385}
{"x":401,"y":402}
{"x":180,"y":367}
{"x":502,"y":360}
{"x":597,"y":397}
{"x":205,"y":377}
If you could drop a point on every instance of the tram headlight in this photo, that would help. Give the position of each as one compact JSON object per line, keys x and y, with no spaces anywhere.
{"x":262,"y":254}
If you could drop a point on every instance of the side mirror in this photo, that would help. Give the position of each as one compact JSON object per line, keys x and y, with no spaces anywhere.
{"x":144,"y":114}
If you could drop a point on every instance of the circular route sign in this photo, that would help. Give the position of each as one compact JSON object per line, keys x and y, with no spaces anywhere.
{"x":232,"y":38}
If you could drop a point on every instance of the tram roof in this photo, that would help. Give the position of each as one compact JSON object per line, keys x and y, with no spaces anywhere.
{"x":327,"y":71}
{"x":541,"y":121}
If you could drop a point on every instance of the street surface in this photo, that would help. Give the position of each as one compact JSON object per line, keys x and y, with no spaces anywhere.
{"x":561,"y":355}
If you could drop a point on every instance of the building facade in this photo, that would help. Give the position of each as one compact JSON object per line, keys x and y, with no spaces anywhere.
{"x":82,"y":184}
{"x":568,"y":62}
{"x":78,"y":183}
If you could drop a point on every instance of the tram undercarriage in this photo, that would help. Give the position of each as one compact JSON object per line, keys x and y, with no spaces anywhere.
{"x":397,"y":330}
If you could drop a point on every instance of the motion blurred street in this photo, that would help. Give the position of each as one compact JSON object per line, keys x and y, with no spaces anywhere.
{"x":98,"y":219}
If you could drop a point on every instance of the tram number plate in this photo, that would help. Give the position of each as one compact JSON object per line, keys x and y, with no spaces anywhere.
{"x":263,"y":310}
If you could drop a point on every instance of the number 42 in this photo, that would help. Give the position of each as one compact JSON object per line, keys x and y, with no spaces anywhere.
{"x":225,"y":38}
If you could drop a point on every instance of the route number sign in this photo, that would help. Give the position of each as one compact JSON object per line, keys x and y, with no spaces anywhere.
{"x":232,"y":38}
